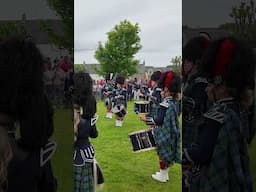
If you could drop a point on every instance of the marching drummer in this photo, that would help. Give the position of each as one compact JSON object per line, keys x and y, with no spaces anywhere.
{"x":120,"y":101}
{"x":220,"y":152}
{"x":107,"y":93}
{"x":155,"y":97}
{"x":165,"y":122}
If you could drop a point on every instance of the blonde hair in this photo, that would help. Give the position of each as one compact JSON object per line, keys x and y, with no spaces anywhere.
{"x":5,"y":155}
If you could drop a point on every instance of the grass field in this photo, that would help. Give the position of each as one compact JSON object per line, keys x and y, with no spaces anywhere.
{"x":123,"y":170}
{"x":62,"y":160}
{"x":252,"y":151}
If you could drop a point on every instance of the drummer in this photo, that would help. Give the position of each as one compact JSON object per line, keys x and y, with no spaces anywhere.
{"x":107,"y":93}
{"x":120,"y":98}
{"x":165,"y":122}
{"x":155,"y":96}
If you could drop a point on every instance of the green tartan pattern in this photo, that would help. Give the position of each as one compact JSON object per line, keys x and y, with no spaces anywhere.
{"x":83,"y":178}
{"x":153,"y":110}
{"x":229,"y":167}
{"x":167,"y":137}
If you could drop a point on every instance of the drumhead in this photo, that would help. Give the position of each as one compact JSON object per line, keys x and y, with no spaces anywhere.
{"x":140,"y":131}
{"x":141,"y":102}
{"x":118,"y":108}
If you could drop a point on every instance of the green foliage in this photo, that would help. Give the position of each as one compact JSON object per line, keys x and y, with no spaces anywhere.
{"x":117,"y":54}
{"x":176,"y":64}
{"x":12,"y":29}
{"x":252,"y":153}
{"x":244,"y":16}
{"x":79,"y":67}
{"x":62,"y":161}
{"x":65,"y":10}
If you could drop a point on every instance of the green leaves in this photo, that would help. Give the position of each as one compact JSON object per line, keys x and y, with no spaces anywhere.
{"x":244,"y":16}
{"x":65,"y":10}
{"x":9,"y":29}
{"x":117,"y":54}
{"x":175,"y":64}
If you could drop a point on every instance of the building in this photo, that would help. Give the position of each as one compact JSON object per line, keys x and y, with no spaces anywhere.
{"x":143,"y":71}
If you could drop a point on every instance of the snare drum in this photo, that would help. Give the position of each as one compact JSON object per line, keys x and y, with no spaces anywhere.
{"x":119,"y":110}
{"x":142,"y":106}
{"x":142,"y":140}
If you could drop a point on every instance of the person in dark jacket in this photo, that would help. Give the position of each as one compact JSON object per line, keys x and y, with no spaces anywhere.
{"x":25,"y":108}
{"x":219,"y":157}
{"x":84,"y":128}
{"x":120,"y":101}
{"x":5,"y":157}
{"x":165,"y":126}
{"x":107,"y":92}
{"x":155,"y":96}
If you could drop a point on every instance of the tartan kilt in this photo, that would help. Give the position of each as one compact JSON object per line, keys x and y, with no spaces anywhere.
{"x":229,"y":167}
{"x":83,"y":178}
{"x":153,"y":110}
{"x":167,"y":137}
{"x":168,"y":149}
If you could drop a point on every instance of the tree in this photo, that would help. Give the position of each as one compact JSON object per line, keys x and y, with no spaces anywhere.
{"x":79,"y":67}
{"x":65,"y":10}
{"x":175,"y":64}
{"x":117,"y":54}
{"x":244,"y":25}
{"x":12,"y":29}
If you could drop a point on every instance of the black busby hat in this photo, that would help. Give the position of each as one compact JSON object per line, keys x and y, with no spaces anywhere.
{"x":195,"y":49}
{"x":156,"y":76}
{"x":109,"y":76}
{"x":171,"y":81}
{"x":120,"y":80}
{"x":83,"y":83}
{"x":231,"y":61}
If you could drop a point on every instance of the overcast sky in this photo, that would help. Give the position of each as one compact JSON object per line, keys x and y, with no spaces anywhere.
{"x":159,"y":21}
{"x":34,"y":9}
{"x":207,"y":13}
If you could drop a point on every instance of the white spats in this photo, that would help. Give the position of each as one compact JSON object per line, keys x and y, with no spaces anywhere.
{"x":161,"y":176}
{"x":119,"y":123}
{"x":109,"y":115}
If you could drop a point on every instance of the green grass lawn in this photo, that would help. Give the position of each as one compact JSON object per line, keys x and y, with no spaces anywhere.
{"x":123,"y":170}
{"x":252,"y":151}
{"x":62,"y":161}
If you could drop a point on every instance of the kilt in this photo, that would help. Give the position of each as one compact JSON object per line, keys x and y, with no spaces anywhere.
{"x":83,"y":178}
{"x":167,"y":137}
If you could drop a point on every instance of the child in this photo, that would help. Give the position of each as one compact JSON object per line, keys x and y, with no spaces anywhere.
{"x":84,"y":127}
{"x":166,"y":129}
{"x":24,"y":106}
